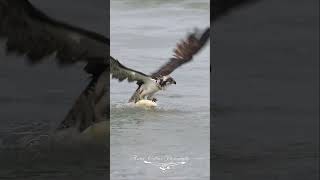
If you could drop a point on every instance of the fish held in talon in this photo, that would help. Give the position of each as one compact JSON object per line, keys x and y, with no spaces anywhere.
{"x":146,"y":103}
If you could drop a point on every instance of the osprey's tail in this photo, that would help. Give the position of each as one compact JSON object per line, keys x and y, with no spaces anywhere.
{"x":91,"y":106}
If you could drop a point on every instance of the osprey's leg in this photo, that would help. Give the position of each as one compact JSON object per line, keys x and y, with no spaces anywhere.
{"x":151,"y":98}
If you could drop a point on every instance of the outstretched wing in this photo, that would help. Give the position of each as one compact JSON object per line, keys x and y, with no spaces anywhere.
{"x":91,"y":106}
{"x":184,"y":52}
{"x":30,"y":32}
{"x":221,"y":8}
{"x":120,"y":72}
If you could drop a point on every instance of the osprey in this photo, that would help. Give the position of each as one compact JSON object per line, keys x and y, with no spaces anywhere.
{"x":29,"y":32}
{"x":148,"y":85}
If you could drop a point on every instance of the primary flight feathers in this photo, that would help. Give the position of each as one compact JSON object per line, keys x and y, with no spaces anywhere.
{"x":184,"y":52}
{"x":30,"y":32}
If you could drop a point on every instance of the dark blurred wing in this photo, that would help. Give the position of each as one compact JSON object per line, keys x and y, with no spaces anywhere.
{"x":120,"y":72}
{"x":184,"y":52}
{"x":221,"y":8}
{"x":91,"y":106}
{"x":29,"y":32}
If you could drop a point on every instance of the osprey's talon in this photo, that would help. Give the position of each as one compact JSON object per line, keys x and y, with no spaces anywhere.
{"x":154,"y":100}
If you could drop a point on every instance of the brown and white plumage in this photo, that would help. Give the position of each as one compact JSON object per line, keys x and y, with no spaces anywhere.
{"x":29,"y":32}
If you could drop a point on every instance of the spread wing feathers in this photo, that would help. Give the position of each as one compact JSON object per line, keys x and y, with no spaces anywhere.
{"x":30,"y":32}
{"x":91,"y":105}
{"x":120,"y":72}
{"x":184,"y":52}
{"x":221,"y":8}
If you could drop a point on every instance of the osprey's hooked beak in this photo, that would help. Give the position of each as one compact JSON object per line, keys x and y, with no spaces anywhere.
{"x":172,"y":81}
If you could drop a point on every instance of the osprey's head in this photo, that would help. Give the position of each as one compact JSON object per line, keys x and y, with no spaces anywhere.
{"x":165,"y":81}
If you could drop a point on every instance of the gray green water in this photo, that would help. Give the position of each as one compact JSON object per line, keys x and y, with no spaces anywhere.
{"x":143,"y":35}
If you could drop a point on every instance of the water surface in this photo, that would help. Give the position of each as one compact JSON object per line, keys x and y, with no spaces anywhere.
{"x":143,"y":35}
